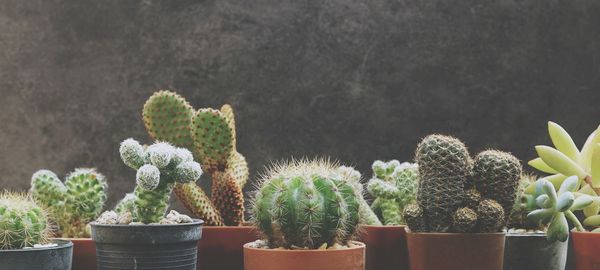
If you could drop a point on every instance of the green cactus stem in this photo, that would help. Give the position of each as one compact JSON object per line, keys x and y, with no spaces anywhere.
{"x":22,"y":222}
{"x":365,"y":213}
{"x":393,"y":186}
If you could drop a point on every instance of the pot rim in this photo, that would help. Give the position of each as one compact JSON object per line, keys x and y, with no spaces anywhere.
{"x":359,"y":245}
{"x":526,"y":234}
{"x":73,"y":239}
{"x":195,"y":222}
{"x":578,"y":232}
{"x":454,"y":234}
{"x":206,"y":227}
{"x":383,"y":226}
{"x":60,"y":245}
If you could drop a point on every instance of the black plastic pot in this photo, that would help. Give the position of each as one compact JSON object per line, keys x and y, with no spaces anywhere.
{"x":49,"y":258}
{"x":533,"y":252}
{"x":141,"y":247}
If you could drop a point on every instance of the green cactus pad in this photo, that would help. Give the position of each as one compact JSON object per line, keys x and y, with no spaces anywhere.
{"x":167,"y":117}
{"x":464,"y":220}
{"x":228,"y":198}
{"x":194,"y":199}
{"x":22,"y":222}
{"x":213,"y":139}
{"x":227,"y":112}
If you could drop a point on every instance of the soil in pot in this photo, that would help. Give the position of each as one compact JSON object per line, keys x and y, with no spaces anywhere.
{"x":385,"y":247}
{"x":455,"y":251}
{"x":222,"y":247}
{"x":532,"y":251}
{"x":352,"y":258}
{"x":585,"y":250}
{"x":47,"y":258}
{"x":170,"y":246}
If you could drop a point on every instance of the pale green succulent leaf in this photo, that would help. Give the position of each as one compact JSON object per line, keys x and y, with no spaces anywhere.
{"x":559,"y":161}
{"x":540,"y":214}
{"x":540,"y":165}
{"x":549,"y":190}
{"x":593,"y":221}
{"x":588,"y":147}
{"x":569,"y":185}
{"x":563,"y":141}
{"x":543,"y":201}
{"x":581,"y":202}
{"x":558,"y":228}
{"x":595,"y":169}
{"x":565,"y":201}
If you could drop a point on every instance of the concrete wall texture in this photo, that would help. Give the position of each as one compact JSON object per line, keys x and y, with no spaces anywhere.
{"x":355,"y":80}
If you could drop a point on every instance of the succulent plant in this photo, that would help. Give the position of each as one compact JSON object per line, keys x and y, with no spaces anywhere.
{"x":74,"y":203}
{"x":366,"y":216}
{"x":558,"y":207}
{"x":22,"y":222}
{"x":159,"y":167}
{"x":305,"y":204}
{"x":393,"y":186}
{"x":210,"y":135}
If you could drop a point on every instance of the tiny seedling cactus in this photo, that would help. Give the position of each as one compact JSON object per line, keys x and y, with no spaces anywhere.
{"x":74,"y":203}
{"x":159,"y":167}
{"x":305,"y":204}
{"x":22,"y":222}
{"x":393,"y":186}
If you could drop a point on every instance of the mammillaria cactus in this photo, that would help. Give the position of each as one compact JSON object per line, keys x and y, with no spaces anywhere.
{"x":305,"y":204}
{"x":159,"y":166}
{"x":22,"y":222}
{"x":393,"y":186}
{"x":210,"y":135}
{"x":73,"y":204}
{"x":366,"y":215}
{"x":443,"y":204}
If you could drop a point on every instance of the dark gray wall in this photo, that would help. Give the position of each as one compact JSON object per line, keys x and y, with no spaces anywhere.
{"x":355,"y":80}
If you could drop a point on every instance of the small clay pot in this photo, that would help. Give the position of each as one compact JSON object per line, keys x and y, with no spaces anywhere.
{"x":328,"y":259}
{"x":386,"y":247}
{"x":48,"y":258}
{"x":533,"y":252}
{"x":585,"y":250}
{"x":222,"y":247}
{"x":455,"y":251}
{"x":84,"y":253}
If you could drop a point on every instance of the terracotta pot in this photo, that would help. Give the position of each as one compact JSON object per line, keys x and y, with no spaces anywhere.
{"x":222,"y":247}
{"x":386,"y":247}
{"x":279,"y":259}
{"x":84,"y":253}
{"x":585,"y":250}
{"x":455,"y":251}
{"x":533,"y":252}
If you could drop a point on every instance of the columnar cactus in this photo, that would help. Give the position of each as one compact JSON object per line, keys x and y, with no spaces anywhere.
{"x":73,"y":204}
{"x":393,"y":186}
{"x":306,"y":205}
{"x":210,"y":135}
{"x":159,"y":167}
{"x":22,"y":222}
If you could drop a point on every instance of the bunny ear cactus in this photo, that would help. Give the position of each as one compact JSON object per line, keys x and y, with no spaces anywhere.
{"x":73,"y":204}
{"x":305,"y":204}
{"x":159,"y":167}
{"x":210,"y":135}
{"x":22,"y":222}
{"x":393,"y":186}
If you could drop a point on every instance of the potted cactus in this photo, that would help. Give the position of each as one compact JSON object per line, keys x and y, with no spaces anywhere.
{"x":457,"y":220}
{"x":564,"y":162}
{"x":24,"y":232}
{"x":210,"y":135}
{"x":307,"y":213}
{"x":72,"y":205}
{"x":137,"y":235}
{"x":393,"y":186}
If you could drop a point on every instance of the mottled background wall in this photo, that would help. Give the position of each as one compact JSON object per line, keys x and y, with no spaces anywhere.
{"x":356,"y":80}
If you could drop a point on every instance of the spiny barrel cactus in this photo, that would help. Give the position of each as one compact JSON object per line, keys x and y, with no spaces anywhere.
{"x":305,"y":204}
{"x":22,"y":222}
{"x":366,"y":215}
{"x":393,"y":186}
{"x":73,"y":204}
{"x":210,"y":135}
{"x":159,"y":166}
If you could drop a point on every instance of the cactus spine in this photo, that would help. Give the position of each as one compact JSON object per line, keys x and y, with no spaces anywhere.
{"x":210,"y":135}
{"x":305,"y":204}
{"x":22,"y":222}
{"x":73,"y":204}
{"x":393,"y":186}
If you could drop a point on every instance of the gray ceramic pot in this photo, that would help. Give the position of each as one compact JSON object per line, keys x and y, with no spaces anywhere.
{"x":173,"y":247}
{"x":49,"y":258}
{"x":533,"y":252}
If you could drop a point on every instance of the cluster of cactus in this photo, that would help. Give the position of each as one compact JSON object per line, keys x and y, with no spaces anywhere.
{"x":210,"y":135}
{"x":393,"y":186}
{"x":306,"y":204}
{"x":366,"y":216}
{"x":524,"y":204}
{"x":74,"y":203}
{"x":159,"y":167}
{"x":22,"y":222}
{"x":458,"y":194}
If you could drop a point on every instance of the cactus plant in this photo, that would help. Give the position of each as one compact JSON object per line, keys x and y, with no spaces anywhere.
{"x":305,"y":204}
{"x":457,"y":194}
{"x":366,"y":215}
{"x":393,"y":186}
{"x":74,"y":203}
{"x":524,"y":203}
{"x":159,"y":167}
{"x":210,"y":135}
{"x":22,"y":222}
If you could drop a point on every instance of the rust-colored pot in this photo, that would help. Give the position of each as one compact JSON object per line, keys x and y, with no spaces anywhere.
{"x":84,"y":253}
{"x":280,"y":259}
{"x":386,"y":247}
{"x":221,"y":247}
{"x":585,"y":250}
{"x":455,"y":251}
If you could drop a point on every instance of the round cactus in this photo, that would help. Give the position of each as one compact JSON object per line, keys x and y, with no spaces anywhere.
{"x":47,"y":189}
{"x":22,"y":222}
{"x":472,"y":198}
{"x":490,"y":215}
{"x":464,"y":220}
{"x":305,"y":204}
{"x":413,"y":214}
